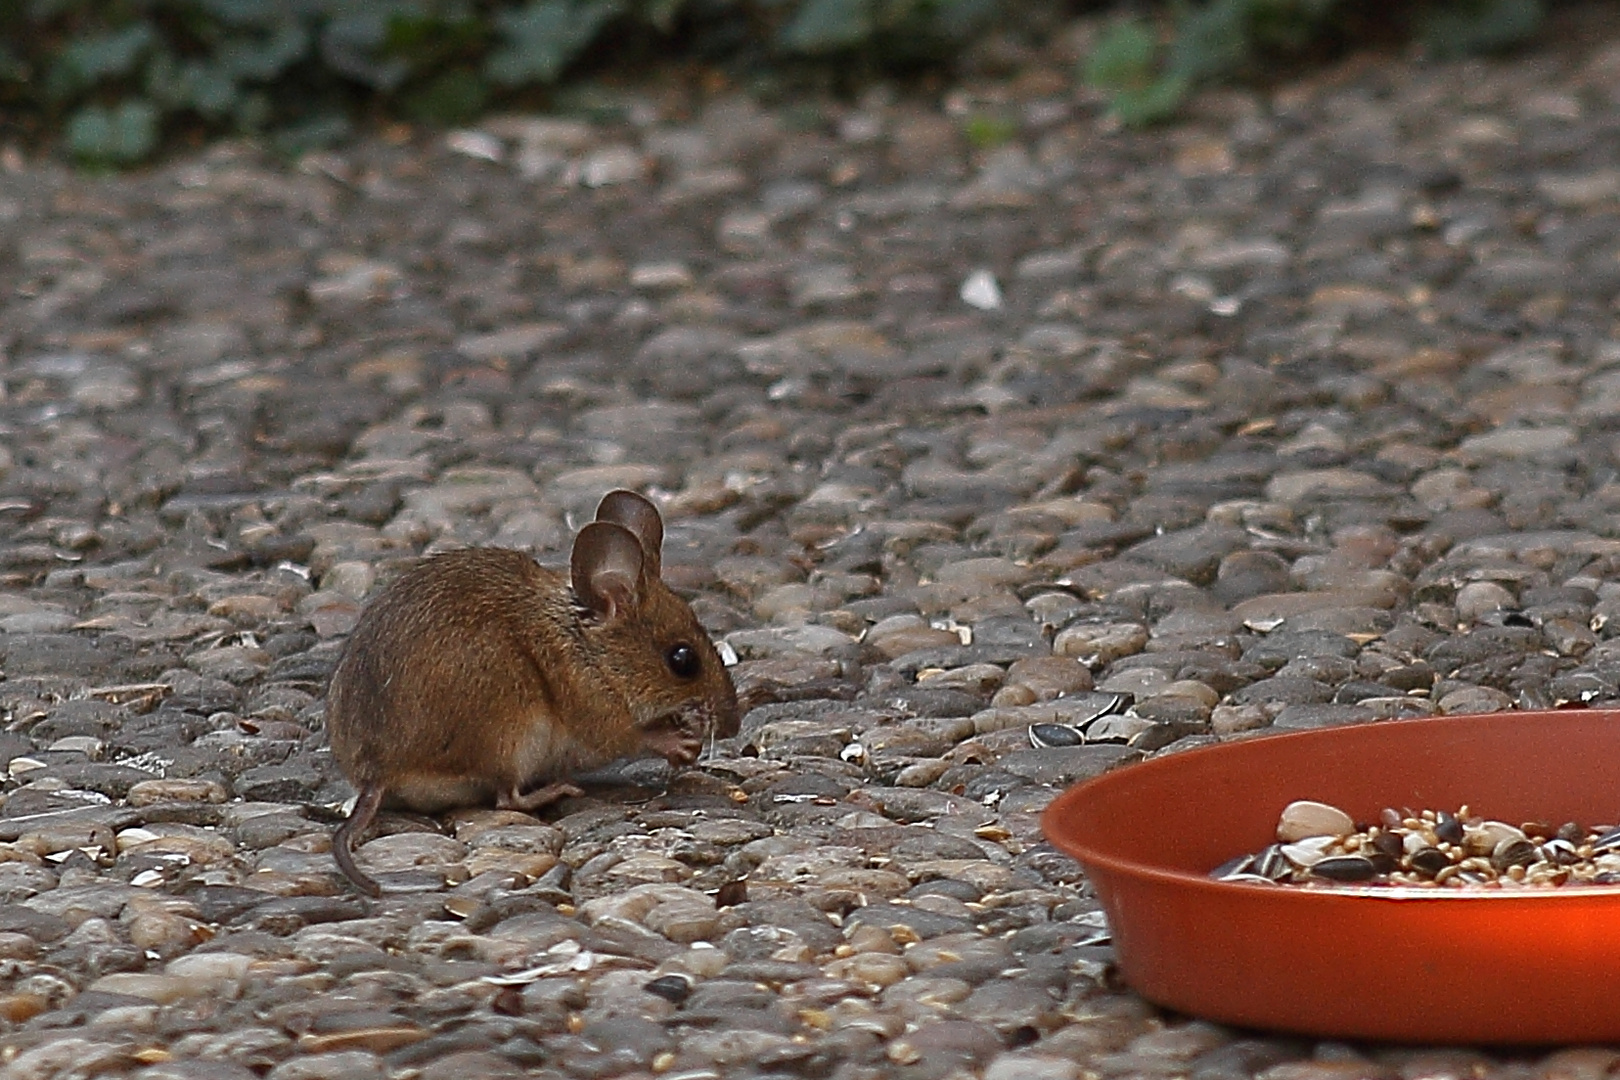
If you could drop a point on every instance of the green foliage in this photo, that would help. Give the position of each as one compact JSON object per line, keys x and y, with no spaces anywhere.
{"x":1289,"y":26}
{"x":540,"y":39}
{"x":1126,"y":58}
{"x":263,"y":55}
{"x":105,"y":138}
{"x":87,"y":61}
{"x":1479,"y":26}
{"x":1125,"y":63}
{"x":451,"y":97}
{"x":900,"y":27}
{"x":1213,"y":40}
{"x":986,"y":132}
{"x":1148,"y":75}
{"x":1159,"y":100}
{"x":829,"y":25}
{"x":112,"y":79}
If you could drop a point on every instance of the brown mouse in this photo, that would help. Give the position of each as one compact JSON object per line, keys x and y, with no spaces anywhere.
{"x":480,"y":674}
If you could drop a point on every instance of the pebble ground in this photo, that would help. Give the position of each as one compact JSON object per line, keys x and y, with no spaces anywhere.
{"x":965,"y":411}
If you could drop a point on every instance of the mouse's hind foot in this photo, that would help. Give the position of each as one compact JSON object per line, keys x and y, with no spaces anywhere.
{"x":513,"y":799}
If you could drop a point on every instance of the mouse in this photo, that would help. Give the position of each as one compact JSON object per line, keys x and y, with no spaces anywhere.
{"x":480,"y":675}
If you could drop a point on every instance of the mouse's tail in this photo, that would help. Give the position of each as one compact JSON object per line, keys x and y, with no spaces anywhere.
{"x":365,"y":808}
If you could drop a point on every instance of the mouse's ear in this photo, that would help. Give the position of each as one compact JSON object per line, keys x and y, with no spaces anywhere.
{"x":640,"y":516}
{"x":606,"y":566}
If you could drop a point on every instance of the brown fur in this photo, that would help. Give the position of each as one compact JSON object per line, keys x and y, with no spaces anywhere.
{"x":480,"y":674}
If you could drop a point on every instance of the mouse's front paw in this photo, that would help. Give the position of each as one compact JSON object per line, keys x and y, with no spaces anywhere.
{"x":675,"y":743}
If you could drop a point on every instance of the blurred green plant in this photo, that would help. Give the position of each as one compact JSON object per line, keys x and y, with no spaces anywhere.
{"x":1468,"y":27}
{"x":1126,"y":64}
{"x":1147,"y":69}
{"x":902,"y":29}
{"x":114,"y":77}
{"x":541,"y":38}
{"x":104,"y":138}
{"x":986,"y":131}
{"x":111,"y":80}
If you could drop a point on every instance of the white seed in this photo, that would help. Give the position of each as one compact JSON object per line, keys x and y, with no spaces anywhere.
{"x":1309,"y":851}
{"x":1306,"y":818}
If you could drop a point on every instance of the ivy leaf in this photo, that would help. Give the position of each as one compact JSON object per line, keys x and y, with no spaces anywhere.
{"x":1470,"y":27}
{"x":1125,"y":62}
{"x":1212,"y":41}
{"x":200,"y":86}
{"x":353,"y":45}
{"x":263,"y":58}
{"x":822,"y":26}
{"x":959,"y":20}
{"x":87,"y":61}
{"x":99,"y":136}
{"x":1124,"y":58}
{"x":540,"y":39}
{"x":1149,"y":104}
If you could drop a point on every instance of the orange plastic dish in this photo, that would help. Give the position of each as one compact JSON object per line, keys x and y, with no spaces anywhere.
{"x":1410,"y":965}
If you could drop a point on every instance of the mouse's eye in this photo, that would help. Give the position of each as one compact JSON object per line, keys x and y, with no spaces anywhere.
{"x":683,"y":661}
